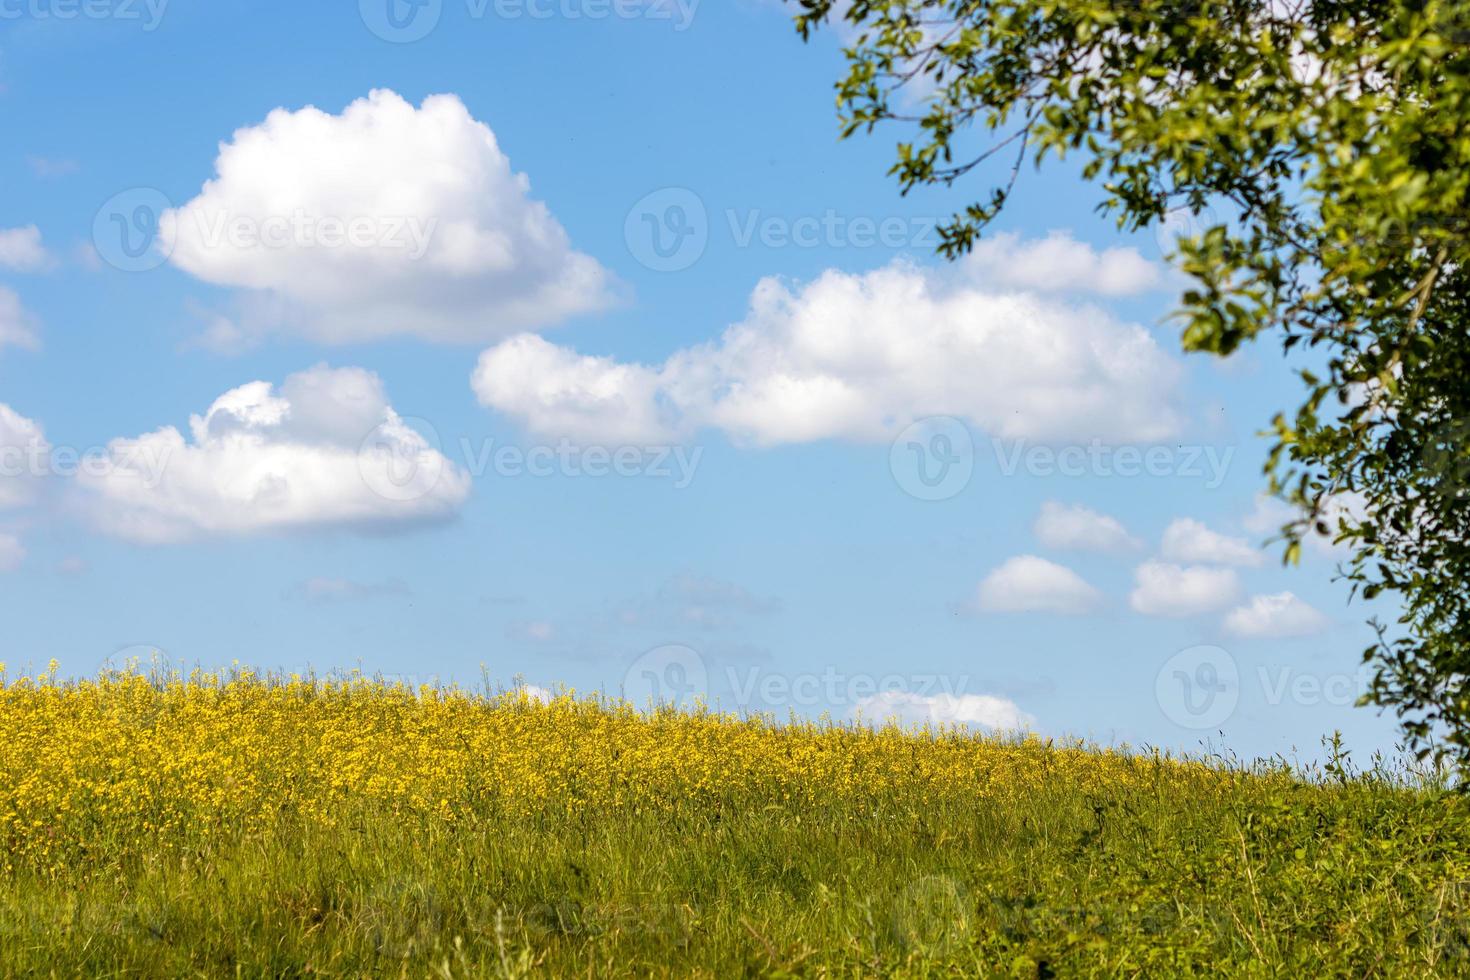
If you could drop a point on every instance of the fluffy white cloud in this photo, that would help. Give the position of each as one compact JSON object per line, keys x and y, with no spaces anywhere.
{"x":1187,"y":540}
{"x":908,"y":709}
{"x":559,"y":392}
{"x":1274,"y":616}
{"x":1080,"y":528}
{"x":24,"y":452}
{"x":1060,"y":263}
{"x":858,"y":357}
{"x":533,"y":693}
{"x":387,"y":220}
{"x":12,"y":553}
{"x":1030,"y":584}
{"x":1162,"y":589}
{"x":1267,"y":515}
{"x":21,"y":249}
{"x":1270,"y":514}
{"x":17,"y":327}
{"x":325,"y":450}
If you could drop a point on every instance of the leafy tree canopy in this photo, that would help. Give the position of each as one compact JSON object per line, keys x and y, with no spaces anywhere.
{"x":1333,"y":139}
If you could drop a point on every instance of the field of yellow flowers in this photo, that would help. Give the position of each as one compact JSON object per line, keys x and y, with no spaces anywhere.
{"x":249,"y":825}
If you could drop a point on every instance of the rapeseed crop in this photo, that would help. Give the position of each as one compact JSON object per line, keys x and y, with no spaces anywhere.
{"x":224,"y":823}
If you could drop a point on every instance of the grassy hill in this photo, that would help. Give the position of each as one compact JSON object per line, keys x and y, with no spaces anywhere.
{"x":276,"y":826}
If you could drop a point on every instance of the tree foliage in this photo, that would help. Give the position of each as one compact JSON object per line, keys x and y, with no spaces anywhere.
{"x":1332,"y":137}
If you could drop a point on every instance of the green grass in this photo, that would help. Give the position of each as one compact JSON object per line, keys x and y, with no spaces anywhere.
{"x":1339,"y":876}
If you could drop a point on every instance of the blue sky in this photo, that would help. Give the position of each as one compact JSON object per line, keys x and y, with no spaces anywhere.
{"x":468,"y":411}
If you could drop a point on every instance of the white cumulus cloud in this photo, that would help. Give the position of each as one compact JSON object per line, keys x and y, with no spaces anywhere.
{"x":17,"y":327}
{"x":1163,"y":589}
{"x":24,"y":453}
{"x":1275,"y":616}
{"x":1060,"y":263}
{"x":1270,"y":514}
{"x":21,"y":249}
{"x":557,"y":391}
{"x":909,"y":709}
{"x":384,"y":221}
{"x":1078,"y":528}
{"x":540,"y":695}
{"x":325,"y":450}
{"x":1189,"y":541}
{"x":858,"y":357}
{"x":1027,"y":583}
